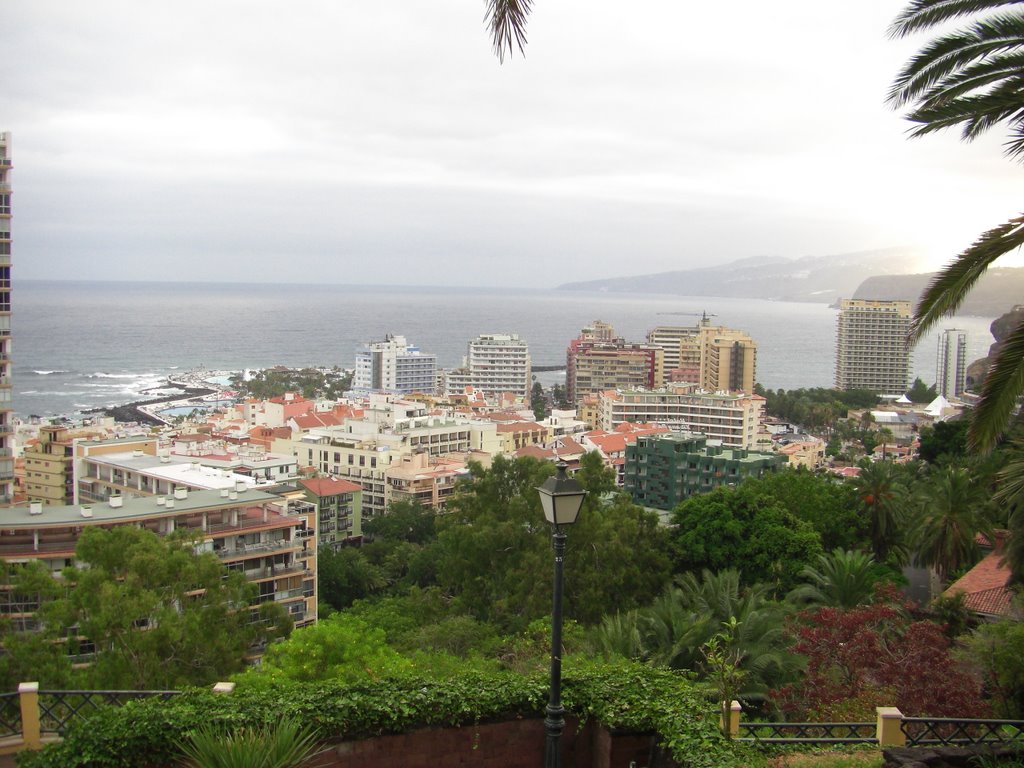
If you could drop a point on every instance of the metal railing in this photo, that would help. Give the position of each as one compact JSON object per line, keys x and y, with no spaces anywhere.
{"x":30,"y":717}
{"x":57,"y":709}
{"x":890,"y":729}
{"x":808,"y":733}
{"x":949,"y":731}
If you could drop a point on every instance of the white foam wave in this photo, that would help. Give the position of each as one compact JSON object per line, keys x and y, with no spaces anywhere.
{"x":47,"y":373}
{"x":102,"y":375}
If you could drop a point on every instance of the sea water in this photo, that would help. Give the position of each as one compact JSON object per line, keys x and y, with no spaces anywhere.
{"x":83,"y":345}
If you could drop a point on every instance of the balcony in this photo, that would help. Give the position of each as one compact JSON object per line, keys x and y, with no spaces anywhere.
{"x":243,"y":550}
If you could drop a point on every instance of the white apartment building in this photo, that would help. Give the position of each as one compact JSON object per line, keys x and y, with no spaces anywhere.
{"x":494,"y":363}
{"x":735,"y":419}
{"x":951,"y":363}
{"x":871,"y":345}
{"x":394,"y":366}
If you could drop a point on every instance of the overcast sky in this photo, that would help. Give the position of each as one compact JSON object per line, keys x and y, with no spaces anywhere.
{"x":365,"y":141}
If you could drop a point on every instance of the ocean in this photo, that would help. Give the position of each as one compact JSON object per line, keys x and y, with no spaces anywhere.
{"x":81,"y":345}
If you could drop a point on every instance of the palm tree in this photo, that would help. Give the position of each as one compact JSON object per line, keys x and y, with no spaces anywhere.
{"x":971,"y":77}
{"x":953,"y":509}
{"x":842,"y":579}
{"x":507,"y":21}
{"x":884,"y":500}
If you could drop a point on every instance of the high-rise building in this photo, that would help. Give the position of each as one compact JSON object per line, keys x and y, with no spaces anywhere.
{"x":717,"y":358}
{"x":871,"y":346}
{"x":597,"y":360}
{"x":394,"y":366}
{"x":681,"y":346}
{"x":6,"y":412}
{"x":951,"y":363}
{"x":495,"y":363}
{"x":728,"y":360}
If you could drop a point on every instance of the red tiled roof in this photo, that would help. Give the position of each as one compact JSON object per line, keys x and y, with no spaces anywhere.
{"x":985,"y":586}
{"x":329,"y":486}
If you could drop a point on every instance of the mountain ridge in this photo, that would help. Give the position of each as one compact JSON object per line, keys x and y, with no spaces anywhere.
{"x":819,"y":279}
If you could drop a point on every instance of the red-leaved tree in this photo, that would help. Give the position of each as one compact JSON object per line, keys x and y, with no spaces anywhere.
{"x":871,"y":656}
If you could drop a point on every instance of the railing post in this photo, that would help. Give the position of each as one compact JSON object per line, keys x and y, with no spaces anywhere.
{"x":28,"y":695}
{"x":223,"y":687}
{"x":888,"y":729}
{"x":732,"y":729}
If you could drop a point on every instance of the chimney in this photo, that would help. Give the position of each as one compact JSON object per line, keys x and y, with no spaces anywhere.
{"x":160,"y":501}
{"x":35,"y":508}
{"x":116,"y":501}
{"x":181,"y":493}
{"x":233,"y":495}
{"x":240,"y":486}
{"x":86,"y":510}
{"x":169,"y":504}
{"x":223,"y":493}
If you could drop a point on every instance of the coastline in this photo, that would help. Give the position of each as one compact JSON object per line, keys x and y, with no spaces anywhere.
{"x":193,"y":385}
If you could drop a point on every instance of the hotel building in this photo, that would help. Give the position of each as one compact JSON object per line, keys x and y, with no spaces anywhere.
{"x":495,"y":363}
{"x":734,"y":419}
{"x":871,"y":346}
{"x":393,"y":366}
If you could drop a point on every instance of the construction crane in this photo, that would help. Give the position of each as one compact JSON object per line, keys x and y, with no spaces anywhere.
{"x":704,"y":316}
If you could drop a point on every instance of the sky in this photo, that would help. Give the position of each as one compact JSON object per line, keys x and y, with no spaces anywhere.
{"x":355,"y":142}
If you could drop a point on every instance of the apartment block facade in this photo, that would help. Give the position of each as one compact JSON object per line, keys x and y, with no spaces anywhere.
{"x":270,"y":540}
{"x":6,"y":410}
{"x":734,"y":419}
{"x":339,"y":509}
{"x":871,"y":346}
{"x":597,"y":360}
{"x":663,"y":470}
{"x":394,"y":366}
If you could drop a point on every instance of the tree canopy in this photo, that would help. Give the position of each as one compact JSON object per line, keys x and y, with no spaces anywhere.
{"x":144,"y":611}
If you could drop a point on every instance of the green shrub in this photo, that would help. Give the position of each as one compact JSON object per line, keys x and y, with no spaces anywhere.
{"x":621,"y":695}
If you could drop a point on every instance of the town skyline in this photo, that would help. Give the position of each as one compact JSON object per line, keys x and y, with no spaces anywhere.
{"x":368,"y":145}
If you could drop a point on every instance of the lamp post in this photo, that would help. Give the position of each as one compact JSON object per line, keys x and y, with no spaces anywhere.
{"x":561,"y":497}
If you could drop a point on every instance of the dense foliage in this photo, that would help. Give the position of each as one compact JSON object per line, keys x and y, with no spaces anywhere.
{"x":329,"y":384}
{"x":621,"y":695}
{"x":145,"y":611}
{"x":816,"y":408}
{"x":746,"y":529}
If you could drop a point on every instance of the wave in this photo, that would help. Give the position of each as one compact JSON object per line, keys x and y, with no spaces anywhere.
{"x":47,"y":373}
{"x":59,"y":393}
{"x":102,"y":375}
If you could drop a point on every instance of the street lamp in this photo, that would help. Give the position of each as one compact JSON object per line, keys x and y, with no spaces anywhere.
{"x":561,"y":497}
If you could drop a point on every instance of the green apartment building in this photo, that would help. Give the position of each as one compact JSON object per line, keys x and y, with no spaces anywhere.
{"x":664,"y":469}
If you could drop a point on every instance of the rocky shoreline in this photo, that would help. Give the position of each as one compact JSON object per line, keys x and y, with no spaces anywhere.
{"x":141,"y":410}
{"x":134,"y":411}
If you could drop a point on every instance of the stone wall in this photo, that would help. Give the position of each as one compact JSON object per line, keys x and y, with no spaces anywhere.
{"x":508,"y":744}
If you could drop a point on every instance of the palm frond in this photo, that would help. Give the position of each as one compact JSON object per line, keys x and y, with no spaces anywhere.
{"x":975,"y":79}
{"x":507,"y":22}
{"x":1004,"y":384}
{"x":947,"y":291}
{"x":924,"y":14}
{"x":953,"y":52}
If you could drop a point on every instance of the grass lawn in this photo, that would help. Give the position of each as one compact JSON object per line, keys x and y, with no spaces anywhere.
{"x":868,"y":758}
